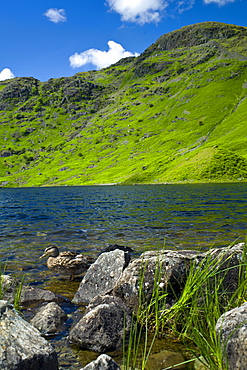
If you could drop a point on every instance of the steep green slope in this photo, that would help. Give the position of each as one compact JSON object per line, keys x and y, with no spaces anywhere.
{"x":175,"y":113}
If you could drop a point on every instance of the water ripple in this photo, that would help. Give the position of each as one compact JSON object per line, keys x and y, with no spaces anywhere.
{"x":143,"y":217}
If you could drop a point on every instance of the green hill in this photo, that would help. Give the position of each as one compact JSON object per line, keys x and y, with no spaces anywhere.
{"x":175,"y":113}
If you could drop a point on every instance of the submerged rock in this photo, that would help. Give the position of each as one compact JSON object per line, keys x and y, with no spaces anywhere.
{"x":166,"y":359}
{"x":21,"y":345}
{"x":49,"y":319}
{"x":102,"y":275}
{"x":32,"y":294}
{"x":232,"y":330}
{"x":102,"y":327}
{"x":200,"y":365}
{"x":103,"y":362}
{"x":10,"y":286}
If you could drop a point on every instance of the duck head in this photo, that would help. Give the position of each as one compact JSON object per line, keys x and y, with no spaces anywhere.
{"x":50,"y":251}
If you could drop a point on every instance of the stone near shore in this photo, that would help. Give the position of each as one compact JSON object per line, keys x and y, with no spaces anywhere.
{"x":103,"y":362}
{"x":49,"y":319}
{"x":232,"y":330}
{"x":102,"y":275}
{"x":28,"y":293}
{"x":171,"y":265}
{"x":21,"y":345}
{"x":102,"y":327}
{"x":108,"y":315}
{"x":169,"y":269}
{"x":33,"y":294}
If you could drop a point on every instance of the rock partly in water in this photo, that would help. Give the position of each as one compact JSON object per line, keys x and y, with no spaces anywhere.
{"x":173,"y":267}
{"x":9,"y":286}
{"x":49,"y":319}
{"x":169,"y":270}
{"x":7,"y":282}
{"x":102,"y":275}
{"x":103,"y":362}
{"x":21,"y":345}
{"x":29,"y":294}
{"x":102,"y":327}
{"x":227,"y":262}
{"x":32,"y":294}
{"x":232,"y":330}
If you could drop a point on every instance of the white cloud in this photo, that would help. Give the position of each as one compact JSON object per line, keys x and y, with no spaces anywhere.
{"x":99,"y":58}
{"x":184,"y":5}
{"x":152,"y":11}
{"x":6,"y":74}
{"x":219,"y":2}
{"x":56,"y":15}
{"x":139,"y":11}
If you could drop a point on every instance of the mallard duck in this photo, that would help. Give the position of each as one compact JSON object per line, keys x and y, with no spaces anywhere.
{"x":66,"y":262}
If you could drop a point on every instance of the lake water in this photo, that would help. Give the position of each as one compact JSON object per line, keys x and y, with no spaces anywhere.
{"x":87,"y":219}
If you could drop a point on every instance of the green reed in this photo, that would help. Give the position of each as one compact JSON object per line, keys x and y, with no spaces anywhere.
{"x":193,"y":317}
{"x":17,"y":289}
{"x":140,"y":342}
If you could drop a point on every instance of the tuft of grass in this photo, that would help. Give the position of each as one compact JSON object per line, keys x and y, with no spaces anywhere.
{"x":17,"y":289}
{"x":192,"y":318}
{"x":139,"y":344}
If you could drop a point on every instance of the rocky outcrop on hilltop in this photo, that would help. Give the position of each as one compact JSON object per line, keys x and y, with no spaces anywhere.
{"x":18,"y":90}
{"x":196,"y":34}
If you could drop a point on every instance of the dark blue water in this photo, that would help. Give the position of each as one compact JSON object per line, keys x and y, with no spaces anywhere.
{"x":86,"y":219}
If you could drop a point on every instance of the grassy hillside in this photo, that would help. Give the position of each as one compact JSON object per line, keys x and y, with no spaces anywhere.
{"x":175,"y":113}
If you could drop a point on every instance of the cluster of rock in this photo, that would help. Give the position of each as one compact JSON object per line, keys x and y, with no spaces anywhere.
{"x":110,"y":287}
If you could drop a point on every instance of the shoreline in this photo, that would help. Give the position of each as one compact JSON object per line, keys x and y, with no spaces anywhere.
{"x":244,"y":181}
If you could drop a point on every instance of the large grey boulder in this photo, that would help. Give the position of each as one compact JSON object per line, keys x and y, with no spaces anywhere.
{"x":169,"y":270}
{"x":232,"y":330}
{"x":102,"y":275}
{"x":103,"y":325}
{"x":165,"y":268}
{"x":21,"y":345}
{"x":49,"y":319}
{"x":103,"y":362}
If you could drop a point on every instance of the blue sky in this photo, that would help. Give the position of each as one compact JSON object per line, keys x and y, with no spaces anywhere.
{"x":57,"y":38}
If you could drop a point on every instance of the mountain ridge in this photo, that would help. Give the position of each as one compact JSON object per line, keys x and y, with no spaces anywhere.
{"x":165,"y":116}
{"x":194,"y":35}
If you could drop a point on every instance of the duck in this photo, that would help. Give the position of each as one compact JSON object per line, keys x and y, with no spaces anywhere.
{"x":66,"y":262}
